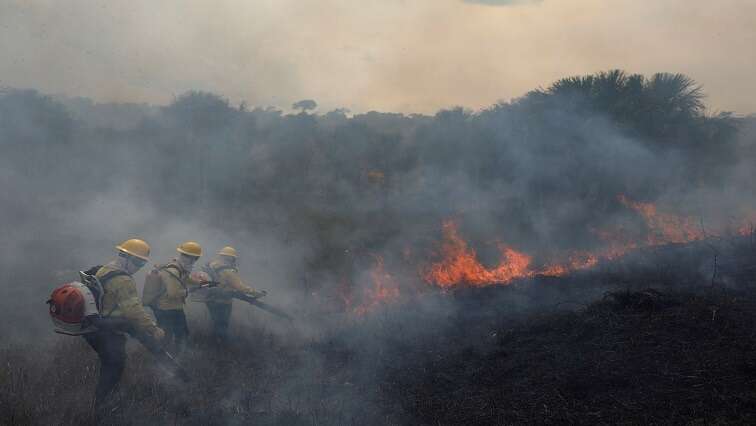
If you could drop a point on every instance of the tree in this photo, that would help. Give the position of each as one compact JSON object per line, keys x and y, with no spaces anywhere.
{"x":305,"y":105}
{"x":201,"y":111}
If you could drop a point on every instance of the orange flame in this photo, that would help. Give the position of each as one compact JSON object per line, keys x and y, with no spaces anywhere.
{"x":460,"y":263}
{"x":665,"y":228}
{"x":385,"y":289}
{"x":617,"y":243}
{"x":576,"y":262}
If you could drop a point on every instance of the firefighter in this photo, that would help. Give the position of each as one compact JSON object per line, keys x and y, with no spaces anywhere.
{"x":224,"y":272}
{"x":166,"y":289}
{"x":120,"y":301}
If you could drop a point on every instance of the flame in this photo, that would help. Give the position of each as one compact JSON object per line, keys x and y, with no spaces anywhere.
{"x":575,"y":262}
{"x":665,"y":228}
{"x":459,"y":263}
{"x":384,"y":289}
{"x":617,"y":243}
{"x":662,"y":228}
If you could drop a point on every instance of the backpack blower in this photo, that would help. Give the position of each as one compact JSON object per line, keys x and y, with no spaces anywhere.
{"x":75,"y":306}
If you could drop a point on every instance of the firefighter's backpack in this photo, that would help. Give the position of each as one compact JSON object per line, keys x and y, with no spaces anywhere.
{"x":75,"y":306}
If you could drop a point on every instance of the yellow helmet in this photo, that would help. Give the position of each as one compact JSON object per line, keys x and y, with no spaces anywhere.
{"x":190,"y":248}
{"x":135,"y":247}
{"x":227,"y":251}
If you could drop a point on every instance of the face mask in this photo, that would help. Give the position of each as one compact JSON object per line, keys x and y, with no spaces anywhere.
{"x":187,"y":262}
{"x":134,"y":264}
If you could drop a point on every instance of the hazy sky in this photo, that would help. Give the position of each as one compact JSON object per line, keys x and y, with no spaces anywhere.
{"x":388,"y":55}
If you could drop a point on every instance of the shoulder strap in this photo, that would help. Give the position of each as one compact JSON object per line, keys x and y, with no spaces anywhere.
{"x":177,"y":275}
{"x":166,"y":268}
{"x":110,"y":275}
{"x":93,"y":270}
{"x":103,"y":280}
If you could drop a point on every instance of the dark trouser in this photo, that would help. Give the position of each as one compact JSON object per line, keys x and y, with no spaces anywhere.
{"x":111,"y":349}
{"x":220,"y":313}
{"x":173,"y":322}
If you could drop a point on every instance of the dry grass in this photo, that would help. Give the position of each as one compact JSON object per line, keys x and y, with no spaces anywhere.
{"x":258,"y":379}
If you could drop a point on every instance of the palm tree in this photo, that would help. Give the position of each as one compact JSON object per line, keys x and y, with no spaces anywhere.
{"x":675,"y":95}
{"x":575,"y":85}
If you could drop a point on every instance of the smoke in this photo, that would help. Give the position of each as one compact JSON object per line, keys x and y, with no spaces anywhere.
{"x":311,"y":202}
{"x":309,"y":199}
{"x":367,"y":56}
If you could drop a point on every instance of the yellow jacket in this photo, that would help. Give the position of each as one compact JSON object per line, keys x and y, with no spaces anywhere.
{"x":170,"y":294}
{"x":120,"y":300}
{"x":228,"y":283}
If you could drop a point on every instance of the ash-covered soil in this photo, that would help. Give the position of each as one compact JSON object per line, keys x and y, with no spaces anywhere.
{"x":641,"y":357}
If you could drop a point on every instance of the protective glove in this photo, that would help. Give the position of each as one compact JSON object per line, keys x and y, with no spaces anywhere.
{"x":154,"y":340}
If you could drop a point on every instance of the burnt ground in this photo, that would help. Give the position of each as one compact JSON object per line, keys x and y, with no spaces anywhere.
{"x":659,"y":340}
{"x":634,"y":357}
